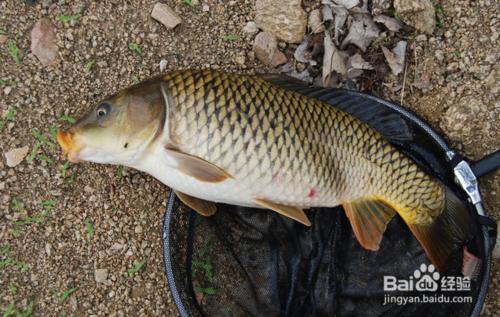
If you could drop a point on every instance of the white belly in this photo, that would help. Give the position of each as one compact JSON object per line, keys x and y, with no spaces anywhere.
{"x":162,"y":167}
{"x":233,"y":191}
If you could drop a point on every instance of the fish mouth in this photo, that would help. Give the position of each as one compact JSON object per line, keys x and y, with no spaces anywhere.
{"x":71,"y":148}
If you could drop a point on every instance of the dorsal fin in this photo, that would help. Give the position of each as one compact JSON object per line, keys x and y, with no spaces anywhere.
{"x":369,"y":109}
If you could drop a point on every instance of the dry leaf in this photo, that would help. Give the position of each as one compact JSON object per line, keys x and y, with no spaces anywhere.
{"x":315,"y":23}
{"x":348,"y":4}
{"x":326,"y":11}
{"x":361,"y":32}
{"x":340,"y":18}
{"x":391,"y":24}
{"x":355,"y":66}
{"x":396,"y":57}
{"x":334,"y":60}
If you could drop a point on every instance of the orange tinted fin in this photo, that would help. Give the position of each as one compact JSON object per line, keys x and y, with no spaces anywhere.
{"x":295,"y":213}
{"x":198,"y":168}
{"x":203,"y":207}
{"x":369,"y":218}
{"x":451,"y":227}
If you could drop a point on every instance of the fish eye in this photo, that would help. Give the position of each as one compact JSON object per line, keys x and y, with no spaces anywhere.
{"x":103,"y":109}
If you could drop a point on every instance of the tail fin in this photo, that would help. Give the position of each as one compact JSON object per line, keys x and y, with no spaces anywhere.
{"x":449,"y":228}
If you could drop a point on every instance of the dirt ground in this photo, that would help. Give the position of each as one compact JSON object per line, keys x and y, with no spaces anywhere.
{"x":64,"y":226}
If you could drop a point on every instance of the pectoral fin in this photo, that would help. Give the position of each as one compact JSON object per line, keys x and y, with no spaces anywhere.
{"x":289,"y":211}
{"x":203,"y":207}
{"x":369,"y":218}
{"x":198,"y":168}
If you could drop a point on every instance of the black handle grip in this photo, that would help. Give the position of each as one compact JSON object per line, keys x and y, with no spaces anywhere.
{"x":487,"y":164}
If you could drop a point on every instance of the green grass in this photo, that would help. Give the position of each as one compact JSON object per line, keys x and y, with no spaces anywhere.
{"x":6,"y":263}
{"x":13,"y":262}
{"x":53,"y":131}
{"x":188,"y":2}
{"x":68,"y":18}
{"x":10,"y":310}
{"x":42,"y":139}
{"x":88,"y":67}
{"x":440,"y":24}
{"x":13,"y":51}
{"x":67,"y":118}
{"x":64,"y":167}
{"x":231,"y":37}
{"x":4,"y":82}
{"x":90,"y":229}
{"x":8,"y":116}
{"x":206,"y":290}
{"x":3,"y":31}
{"x":136,"y":267}
{"x":119,"y":171}
{"x":4,"y":249}
{"x":439,"y":9}
{"x":17,"y":205}
{"x":135,"y":47}
{"x":34,"y":152}
{"x":45,"y":158}
{"x":12,"y":288}
{"x":135,"y":79}
{"x":67,"y":293}
{"x":48,"y":204}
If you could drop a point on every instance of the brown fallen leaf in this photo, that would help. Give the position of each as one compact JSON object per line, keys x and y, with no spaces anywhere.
{"x":43,"y":41}
{"x":334,"y":60}
{"x":396,"y":58}
{"x":362,"y":32}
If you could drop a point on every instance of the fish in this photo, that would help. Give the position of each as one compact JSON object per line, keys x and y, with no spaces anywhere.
{"x":218,"y":137}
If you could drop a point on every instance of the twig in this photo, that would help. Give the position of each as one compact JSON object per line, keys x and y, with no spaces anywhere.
{"x":404,"y":84}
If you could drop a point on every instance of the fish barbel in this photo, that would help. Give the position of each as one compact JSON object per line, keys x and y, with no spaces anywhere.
{"x":238,"y":139}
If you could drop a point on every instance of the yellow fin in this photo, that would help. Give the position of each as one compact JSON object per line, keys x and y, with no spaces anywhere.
{"x":203,"y":207}
{"x":289,"y":211}
{"x":198,"y":168}
{"x":369,"y":218}
{"x":447,"y":230}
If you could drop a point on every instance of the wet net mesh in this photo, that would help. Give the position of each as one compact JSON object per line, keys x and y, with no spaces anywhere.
{"x":253,"y":262}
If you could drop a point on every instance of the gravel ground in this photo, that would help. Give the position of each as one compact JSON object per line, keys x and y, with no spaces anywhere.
{"x":104,"y":220}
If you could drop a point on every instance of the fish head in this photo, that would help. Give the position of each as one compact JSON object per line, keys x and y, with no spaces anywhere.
{"x":118,"y":129}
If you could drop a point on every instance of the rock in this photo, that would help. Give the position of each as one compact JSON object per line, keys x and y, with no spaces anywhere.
{"x":419,"y":14}
{"x":380,"y":6}
{"x":165,"y":15}
{"x":361,"y":32}
{"x":396,"y":57}
{"x":205,"y":8}
{"x":250,"y":28}
{"x":266,"y":49}
{"x":285,"y":19}
{"x":101,"y":275}
{"x":315,"y":22}
{"x":163,"y":65}
{"x":391,"y":24}
{"x":15,"y":156}
{"x":43,"y":42}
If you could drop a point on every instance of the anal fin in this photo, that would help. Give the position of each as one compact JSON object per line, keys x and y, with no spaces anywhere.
{"x":369,"y":218}
{"x":295,"y":213}
{"x":203,"y":207}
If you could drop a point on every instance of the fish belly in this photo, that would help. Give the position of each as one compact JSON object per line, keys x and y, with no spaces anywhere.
{"x":240,"y":191}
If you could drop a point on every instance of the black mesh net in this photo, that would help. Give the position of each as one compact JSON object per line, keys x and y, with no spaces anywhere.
{"x":254,"y":262}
